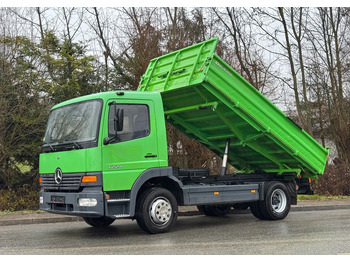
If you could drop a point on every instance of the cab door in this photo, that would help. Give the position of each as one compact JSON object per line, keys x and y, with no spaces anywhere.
{"x":134,"y":149}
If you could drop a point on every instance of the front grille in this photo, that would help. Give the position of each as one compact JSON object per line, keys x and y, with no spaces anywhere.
{"x":69,"y":182}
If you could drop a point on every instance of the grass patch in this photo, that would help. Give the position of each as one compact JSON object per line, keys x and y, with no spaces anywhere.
{"x":318,"y":197}
{"x":22,"y":212}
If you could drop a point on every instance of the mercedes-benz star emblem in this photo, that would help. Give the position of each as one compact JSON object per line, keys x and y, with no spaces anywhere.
{"x":58,"y":176}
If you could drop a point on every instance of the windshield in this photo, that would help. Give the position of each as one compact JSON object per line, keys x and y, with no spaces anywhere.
{"x":73,"y":123}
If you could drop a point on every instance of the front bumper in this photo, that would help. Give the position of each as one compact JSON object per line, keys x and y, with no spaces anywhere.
{"x":70,"y":206}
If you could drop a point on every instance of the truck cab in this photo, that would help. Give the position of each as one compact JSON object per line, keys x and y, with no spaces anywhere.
{"x":88,"y":156}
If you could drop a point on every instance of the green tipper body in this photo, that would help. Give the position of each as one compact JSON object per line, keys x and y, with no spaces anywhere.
{"x":211,"y":103}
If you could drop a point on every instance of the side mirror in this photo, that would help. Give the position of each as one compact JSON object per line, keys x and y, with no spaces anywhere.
{"x":117,"y":116}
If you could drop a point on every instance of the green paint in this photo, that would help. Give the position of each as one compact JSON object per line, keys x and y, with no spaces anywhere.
{"x":262,"y":137}
{"x":121,"y":163}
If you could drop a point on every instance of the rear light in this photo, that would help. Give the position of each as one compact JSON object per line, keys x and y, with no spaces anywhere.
{"x":89,"y":179}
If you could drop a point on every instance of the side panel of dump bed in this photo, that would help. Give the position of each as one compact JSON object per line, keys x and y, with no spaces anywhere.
{"x":210,"y":102}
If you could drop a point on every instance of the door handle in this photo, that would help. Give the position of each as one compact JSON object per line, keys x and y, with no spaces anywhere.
{"x":148,"y":156}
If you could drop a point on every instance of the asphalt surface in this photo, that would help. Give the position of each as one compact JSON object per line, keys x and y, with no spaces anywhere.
{"x":22,"y":218}
{"x":317,"y":232}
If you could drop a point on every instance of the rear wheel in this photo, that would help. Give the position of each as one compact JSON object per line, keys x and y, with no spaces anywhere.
{"x":215,"y":210}
{"x":156,"y":210}
{"x":256,"y":210}
{"x":277,"y":202}
{"x":98,"y":221}
{"x":202,"y":210}
{"x":241,"y":206}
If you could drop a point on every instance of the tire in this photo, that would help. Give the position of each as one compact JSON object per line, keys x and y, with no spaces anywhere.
{"x":206,"y":210}
{"x":256,"y":210}
{"x":201,"y":209}
{"x":215,"y":210}
{"x":98,"y":221}
{"x":156,"y":211}
{"x":241,"y":206}
{"x":277,"y":202}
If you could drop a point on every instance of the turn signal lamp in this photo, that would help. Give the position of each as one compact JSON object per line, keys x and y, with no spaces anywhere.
{"x":40,"y":180}
{"x":89,"y":179}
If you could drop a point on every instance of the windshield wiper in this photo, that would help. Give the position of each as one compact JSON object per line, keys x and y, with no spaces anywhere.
{"x":51,"y":147}
{"x":76,"y":145}
{"x":79,"y":146}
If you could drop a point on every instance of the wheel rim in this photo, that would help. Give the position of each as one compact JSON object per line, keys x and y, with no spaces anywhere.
{"x":278,"y":201}
{"x":160,"y":211}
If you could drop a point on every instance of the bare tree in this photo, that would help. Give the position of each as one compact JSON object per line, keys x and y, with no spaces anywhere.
{"x":334,"y":32}
{"x":297,"y":17}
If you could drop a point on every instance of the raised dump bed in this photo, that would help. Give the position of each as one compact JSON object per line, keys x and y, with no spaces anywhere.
{"x":210,"y":102}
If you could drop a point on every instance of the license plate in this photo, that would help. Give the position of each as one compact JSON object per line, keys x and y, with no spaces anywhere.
{"x":57,"y":200}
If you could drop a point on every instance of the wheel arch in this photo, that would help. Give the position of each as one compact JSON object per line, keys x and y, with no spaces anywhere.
{"x":290,"y":184}
{"x":155,"y":177}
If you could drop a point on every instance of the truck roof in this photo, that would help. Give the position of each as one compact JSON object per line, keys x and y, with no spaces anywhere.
{"x":110,"y":95}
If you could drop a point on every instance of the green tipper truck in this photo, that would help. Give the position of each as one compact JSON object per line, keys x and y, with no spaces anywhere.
{"x":105,"y":155}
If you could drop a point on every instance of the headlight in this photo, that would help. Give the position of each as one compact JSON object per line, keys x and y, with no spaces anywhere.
{"x":87,"y":202}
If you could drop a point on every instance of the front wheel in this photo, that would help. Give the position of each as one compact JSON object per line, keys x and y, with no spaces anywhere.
{"x":156,"y":210}
{"x":98,"y":221}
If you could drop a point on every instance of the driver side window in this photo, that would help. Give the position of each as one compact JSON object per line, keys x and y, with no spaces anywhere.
{"x":136,"y":122}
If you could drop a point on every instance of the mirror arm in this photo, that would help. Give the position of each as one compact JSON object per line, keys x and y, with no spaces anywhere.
{"x":106,"y":141}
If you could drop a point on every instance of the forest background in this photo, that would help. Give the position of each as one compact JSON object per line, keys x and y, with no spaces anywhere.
{"x":299,"y":58}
